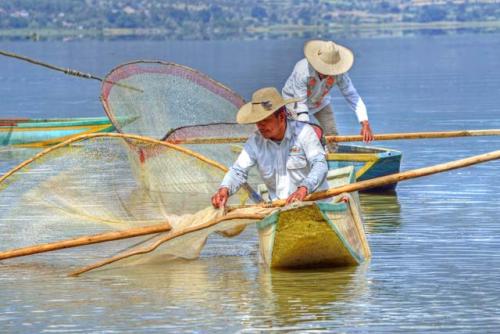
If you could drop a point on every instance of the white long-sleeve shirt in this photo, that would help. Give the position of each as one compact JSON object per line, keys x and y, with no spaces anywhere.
{"x":298,"y":160}
{"x":304,"y":83}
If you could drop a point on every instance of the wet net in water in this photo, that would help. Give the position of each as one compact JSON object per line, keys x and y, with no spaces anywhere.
{"x":91,"y":187}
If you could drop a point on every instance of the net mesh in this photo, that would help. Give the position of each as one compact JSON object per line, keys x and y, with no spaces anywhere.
{"x":208,"y":131}
{"x":107,"y":184}
{"x":172,"y":102}
{"x":110,"y":182}
{"x":152,"y":98}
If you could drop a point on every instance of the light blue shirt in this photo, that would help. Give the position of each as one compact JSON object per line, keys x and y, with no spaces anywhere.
{"x":298,"y":160}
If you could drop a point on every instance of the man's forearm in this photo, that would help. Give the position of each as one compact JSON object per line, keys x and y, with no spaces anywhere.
{"x":233,"y":180}
{"x":317,"y":174}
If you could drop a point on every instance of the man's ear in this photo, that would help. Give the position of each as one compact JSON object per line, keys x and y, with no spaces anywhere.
{"x":282,"y":115}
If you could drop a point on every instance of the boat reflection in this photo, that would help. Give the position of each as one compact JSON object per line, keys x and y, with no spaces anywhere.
{"x":295,"y":298}
{"x":381,"y":212}
{"x":217,"y":286}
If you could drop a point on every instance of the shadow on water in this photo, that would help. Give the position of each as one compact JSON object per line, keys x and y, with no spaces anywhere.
{"x":381,"y":212}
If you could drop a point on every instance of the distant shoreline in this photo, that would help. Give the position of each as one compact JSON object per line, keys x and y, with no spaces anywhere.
{"x":276,"y":31}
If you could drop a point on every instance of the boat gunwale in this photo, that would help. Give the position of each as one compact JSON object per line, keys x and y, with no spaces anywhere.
{"x":40,"y":124}
{"x":378,"y":153}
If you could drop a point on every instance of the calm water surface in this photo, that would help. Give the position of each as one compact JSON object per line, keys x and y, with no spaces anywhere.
{"x":435,"y":244}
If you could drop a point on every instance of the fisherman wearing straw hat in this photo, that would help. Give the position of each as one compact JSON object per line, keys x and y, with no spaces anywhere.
{"x":287,"y":153}
{"x":326,"y":64}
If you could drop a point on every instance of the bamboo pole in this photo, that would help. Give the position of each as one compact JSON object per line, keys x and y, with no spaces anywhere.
{"x":170,"y":236}
{"x":114,"y":135}
{"x":234,"y":214}
{"x":394,"y":178}
{"x":354,"y":138}
{"x":86,"y":240}
{"x":418,"y":135}
{"x":68,"y":71}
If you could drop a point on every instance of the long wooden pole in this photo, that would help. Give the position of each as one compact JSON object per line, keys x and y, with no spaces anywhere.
{"x":86,"y":240}
{"x":394,"y":178}
{"x":354,"y":138}
{"x":68,"y":71}
{"x":51,"y":67}
{"x":418,"y":135}
{"x":175,"y":234}
{"x":234,"y":214}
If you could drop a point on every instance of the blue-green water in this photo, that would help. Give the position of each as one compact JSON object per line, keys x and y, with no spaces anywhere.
{"x":435,"y":245}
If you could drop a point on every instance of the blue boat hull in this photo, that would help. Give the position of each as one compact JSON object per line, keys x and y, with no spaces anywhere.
{"x":369,"y":162}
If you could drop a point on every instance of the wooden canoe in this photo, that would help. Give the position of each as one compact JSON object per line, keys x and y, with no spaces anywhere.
{"x":44,"y":132}
{"x":368,"y":162}
{"x":316,"y":234}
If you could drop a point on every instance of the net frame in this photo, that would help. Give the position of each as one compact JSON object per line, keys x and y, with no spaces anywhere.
{"x":171,"y":68}
{"x":79,"y":138}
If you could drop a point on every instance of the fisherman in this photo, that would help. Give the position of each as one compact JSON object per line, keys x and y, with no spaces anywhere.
{"x":287,"y":153}
{"x":326,"y":64}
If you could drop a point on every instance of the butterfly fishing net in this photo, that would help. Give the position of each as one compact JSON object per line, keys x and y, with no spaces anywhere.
{"x":91,"y":187}
{"x":178,"y":104}
{"x":112,"y":182}
{"x":152,"y":98}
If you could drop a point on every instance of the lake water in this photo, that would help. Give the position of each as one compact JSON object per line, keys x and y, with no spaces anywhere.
{"x":435,"y":244}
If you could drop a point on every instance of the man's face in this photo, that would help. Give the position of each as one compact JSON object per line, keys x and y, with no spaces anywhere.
{"x":272,"y":127}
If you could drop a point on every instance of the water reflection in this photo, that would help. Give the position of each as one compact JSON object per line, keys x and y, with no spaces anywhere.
{"x":267,"y":298}
{"x":381,"y":212}
{"x":296,"y":298}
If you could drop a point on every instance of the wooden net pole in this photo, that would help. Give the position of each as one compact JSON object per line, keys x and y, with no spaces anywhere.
{"x":68,"y":71}
{"x":398,"y":177}
{"x":354,"y":138}
{"x":85,"y":240}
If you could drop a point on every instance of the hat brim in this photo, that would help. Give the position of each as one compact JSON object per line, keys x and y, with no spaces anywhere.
{"x":346,"y":59}
{"x":248,"y":115}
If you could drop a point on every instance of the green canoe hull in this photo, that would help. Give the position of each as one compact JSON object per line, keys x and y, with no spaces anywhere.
{"x":44,"y":132}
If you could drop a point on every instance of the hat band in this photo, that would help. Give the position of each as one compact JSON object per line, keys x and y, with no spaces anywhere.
{"x":267,"y":105}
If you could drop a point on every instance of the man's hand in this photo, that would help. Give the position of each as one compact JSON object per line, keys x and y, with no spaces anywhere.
{"x":298,"y":195}
{"x":366,"y":132}
{"x":219,"y":199}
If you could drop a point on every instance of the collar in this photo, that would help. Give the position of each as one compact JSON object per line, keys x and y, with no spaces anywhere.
{"x":315,"y":74}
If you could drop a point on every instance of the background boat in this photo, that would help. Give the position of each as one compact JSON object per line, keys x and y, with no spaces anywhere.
{"x":368,"y":162}
{"x":43,"y":132}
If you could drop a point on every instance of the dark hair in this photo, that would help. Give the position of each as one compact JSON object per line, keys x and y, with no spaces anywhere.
{"x":279,"y":111}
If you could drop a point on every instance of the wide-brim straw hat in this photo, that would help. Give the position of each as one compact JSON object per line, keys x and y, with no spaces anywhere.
{"x":265,"y":102}
{"x":328,"y":58}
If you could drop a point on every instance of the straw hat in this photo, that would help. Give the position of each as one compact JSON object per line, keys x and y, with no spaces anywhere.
{"x":265,"y":102}
{"x":328,"y":58}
